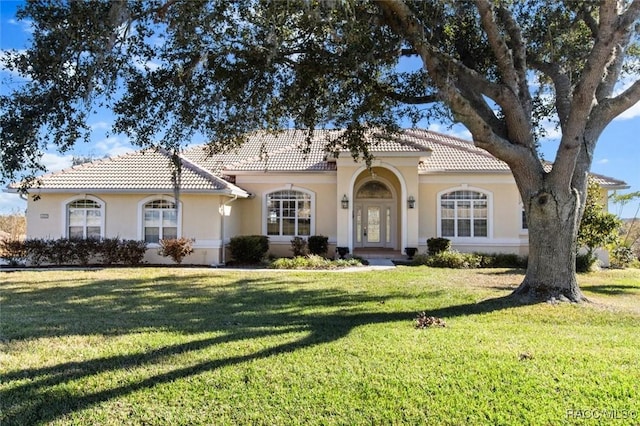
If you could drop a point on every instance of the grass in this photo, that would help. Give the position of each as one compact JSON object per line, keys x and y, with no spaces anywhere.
{"x":189,"y":346}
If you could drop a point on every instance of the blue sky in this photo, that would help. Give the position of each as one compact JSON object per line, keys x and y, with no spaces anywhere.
{"x":617,"y":153}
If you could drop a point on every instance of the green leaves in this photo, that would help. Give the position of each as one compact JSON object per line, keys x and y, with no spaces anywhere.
{"x":169,"y":71}
{"x":598,"y":227}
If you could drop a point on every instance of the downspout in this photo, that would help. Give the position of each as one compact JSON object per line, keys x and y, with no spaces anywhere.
{"x":223,"y":211}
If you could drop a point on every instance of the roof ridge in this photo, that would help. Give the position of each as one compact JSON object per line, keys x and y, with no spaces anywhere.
{"x":87,"y":164}
{"x":290,"y":146}
{"x":204,"y":173}
{"x":477,"y":150}
{"x":195,"y":168}
{"x":409,"y":142}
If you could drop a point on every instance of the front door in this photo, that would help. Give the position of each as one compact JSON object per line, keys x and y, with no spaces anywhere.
{"x":373,"y":224}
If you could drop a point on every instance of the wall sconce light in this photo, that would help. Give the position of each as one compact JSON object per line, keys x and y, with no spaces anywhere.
{"x":411,"y":201}
{"x":345,"y":202}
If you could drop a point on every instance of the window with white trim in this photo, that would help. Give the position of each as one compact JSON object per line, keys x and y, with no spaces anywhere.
{"x":464,"y":213}
{"x":288,"y":213}
{"x":84,"y":219}
{"x":160,"y":221}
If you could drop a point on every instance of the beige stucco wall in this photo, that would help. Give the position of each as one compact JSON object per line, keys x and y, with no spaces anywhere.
{"x":505,"y":233}
{"x":322,"y":187}
{"x":200,"y":219}
{"x":201,"y":214}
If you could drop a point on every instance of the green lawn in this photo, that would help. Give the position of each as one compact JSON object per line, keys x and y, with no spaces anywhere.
{"x":194,"y":346}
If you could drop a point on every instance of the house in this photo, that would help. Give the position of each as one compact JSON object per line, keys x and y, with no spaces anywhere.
{"x":420,"y":185}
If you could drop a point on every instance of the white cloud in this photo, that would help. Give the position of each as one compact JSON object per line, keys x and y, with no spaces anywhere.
{"x":146,"y":65}
{"x":113,"y":146}
{"x":11,"y":203}
{"x":457,"y":131}
{"x":26,"y":25}
{"x":553,"y":131}
{"x":55,"y":162}
{"x":603,"y":161}
{"x":100,"y":125}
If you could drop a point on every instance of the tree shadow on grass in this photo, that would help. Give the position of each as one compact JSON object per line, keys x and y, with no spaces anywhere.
{"x":612,"y":290}
{"x":247,"y":308}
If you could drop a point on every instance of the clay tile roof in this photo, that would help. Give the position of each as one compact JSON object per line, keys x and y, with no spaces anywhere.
{"x":147,"y":169}
{"x":453,"y":154}
{"x":285,"y":151}
{"x":602,"y":180}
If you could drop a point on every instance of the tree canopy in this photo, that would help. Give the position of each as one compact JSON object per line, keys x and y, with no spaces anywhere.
{"x":170,"y":69}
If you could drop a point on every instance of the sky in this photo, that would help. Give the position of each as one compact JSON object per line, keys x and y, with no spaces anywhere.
{"x":617,"y":153}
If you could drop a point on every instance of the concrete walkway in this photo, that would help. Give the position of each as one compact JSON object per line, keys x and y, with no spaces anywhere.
{"x":381,"y":262}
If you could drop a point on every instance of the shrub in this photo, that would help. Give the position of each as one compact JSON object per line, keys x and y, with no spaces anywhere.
{"x":36,"y":251}
{"x":622,"y":257}
{"x":132,"y":252}
{"x":449,"y":259}
{"x":586,"y":262}
{"x":502,"y":260}
{"x":312,"y":261}
{"x":176,"y":248}
{"x":13,"y":251}
{"x":318,"y":244}
{"x":298,"y":246}
{"x":249,"y":249}
{"x":111,"y":251}
{"x":438,"y":245}
{"x":82,"y":250}
{"x":64,"y":251}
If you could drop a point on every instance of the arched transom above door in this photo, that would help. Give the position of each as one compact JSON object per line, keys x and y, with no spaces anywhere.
{"x":374,"y":190}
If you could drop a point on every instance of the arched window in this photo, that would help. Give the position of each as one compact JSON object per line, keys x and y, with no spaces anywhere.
{"x":288,"y":213}
{"x":374,"y":189}
{"x":160,"y":221}
{"x":85,"y":219}
{"x":464,"y":213}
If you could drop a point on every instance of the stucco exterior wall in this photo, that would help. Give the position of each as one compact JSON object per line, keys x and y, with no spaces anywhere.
{"x":506,"y":234}
{"x":322,"y":187}
{"x":202,"y":219}
{"x":199,"y":218}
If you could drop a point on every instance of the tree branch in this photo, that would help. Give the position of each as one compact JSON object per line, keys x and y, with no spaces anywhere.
{"x":519,"y":54}
{"x":613,"y":107}
{"x":409,"y":99}
{"x":498,"y":45}
{"x":516,"y":104}
{"x":613,"y":29}
{"x":561,"y":84}
{"x":402,"y":20}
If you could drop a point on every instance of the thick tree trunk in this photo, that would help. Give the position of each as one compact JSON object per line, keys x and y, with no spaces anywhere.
{"x":553,"y":225}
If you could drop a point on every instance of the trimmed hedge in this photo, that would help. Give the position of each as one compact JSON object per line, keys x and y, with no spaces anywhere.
{"x":456,"y":260}
{"x":312,"y":261}
{"x":74,"y":251}
{"x":249,"y":249}
{"x":438,"y":245}
{"x":319,"y":245}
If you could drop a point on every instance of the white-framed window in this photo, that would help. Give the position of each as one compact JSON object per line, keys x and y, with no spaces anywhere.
{"x":289,"y":213}
{"x":523,"y":220}
{"x":464,"y":213}
{"x":159,"y":220}
{"x":84,"y":218}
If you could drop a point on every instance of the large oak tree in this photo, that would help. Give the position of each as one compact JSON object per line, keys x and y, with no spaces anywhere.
{"x":170,"y":69}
